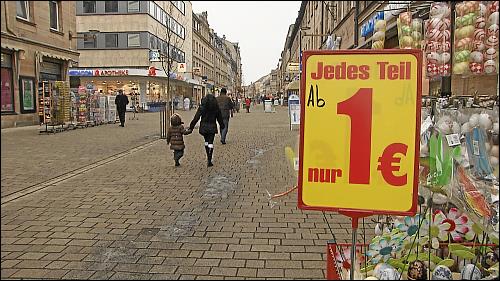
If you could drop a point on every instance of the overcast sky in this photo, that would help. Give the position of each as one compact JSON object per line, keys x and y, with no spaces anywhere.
{"x":259,"y":27}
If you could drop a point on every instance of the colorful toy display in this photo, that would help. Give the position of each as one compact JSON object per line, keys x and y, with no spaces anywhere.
{"x":410,"y":32}
{"x":455,"y":233}
{"x":438,"y":41}
{"x":489,"y":16}
{"x":379,"y":35}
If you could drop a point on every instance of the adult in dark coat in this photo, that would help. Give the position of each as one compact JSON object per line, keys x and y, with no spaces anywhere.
{"x":121,"y":102}
{"x":226,"y":106}
{"x":209,"y":113}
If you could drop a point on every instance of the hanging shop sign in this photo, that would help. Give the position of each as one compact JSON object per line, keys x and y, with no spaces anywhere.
{"x":292,"y":67}
{"x":360,"y":122}
{"x":181,"y":67}
{"x":154,"y":55}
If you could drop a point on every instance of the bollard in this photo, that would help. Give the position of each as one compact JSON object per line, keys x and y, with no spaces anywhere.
{"x":163,"y":121}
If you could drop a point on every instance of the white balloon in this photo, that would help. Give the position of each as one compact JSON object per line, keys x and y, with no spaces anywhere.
{"x":474,"y":120}
{"x":444,"y":125}
{"x":462,"y":117}
{"x":485,"y":121}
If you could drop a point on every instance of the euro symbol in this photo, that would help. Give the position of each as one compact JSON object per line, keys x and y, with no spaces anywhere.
{"x":386,"y":164}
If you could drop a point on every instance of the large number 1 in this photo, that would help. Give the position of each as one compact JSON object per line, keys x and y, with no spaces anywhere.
{"x":359,"y":109}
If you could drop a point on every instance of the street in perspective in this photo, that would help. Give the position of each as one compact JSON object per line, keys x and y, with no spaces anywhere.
{"x":291,"y":140}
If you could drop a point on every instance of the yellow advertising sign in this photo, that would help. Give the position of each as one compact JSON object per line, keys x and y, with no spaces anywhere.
{"x":360,"y":131}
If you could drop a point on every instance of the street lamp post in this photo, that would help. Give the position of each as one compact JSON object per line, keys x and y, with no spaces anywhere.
{"x":300,"y":54}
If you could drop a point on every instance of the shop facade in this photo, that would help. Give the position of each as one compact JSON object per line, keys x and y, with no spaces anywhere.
{"x":36,"y":49}
{"x":23,"y":69}
{"x":148,"y":84}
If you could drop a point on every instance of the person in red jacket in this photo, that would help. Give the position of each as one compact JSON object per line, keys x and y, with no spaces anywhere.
{"x":248,"y":101}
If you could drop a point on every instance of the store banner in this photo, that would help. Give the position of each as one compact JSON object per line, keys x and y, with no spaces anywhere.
{"x":360,"y":122}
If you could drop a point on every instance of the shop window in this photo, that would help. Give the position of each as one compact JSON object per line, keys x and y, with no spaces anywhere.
{"x":111,"y":40}
{"x":89,"y":42}
{"x":111,"y":6}
{"x":7,"y":90}
{"x":152,"y":42}
{"x":133,"y":6}
{"x":23,"y":10}
{"x":151,"y":8}
{"x":27,"y":94}
{"x":89,"y":7}
{"x":54,"y":14}
{"x":134,"y":40}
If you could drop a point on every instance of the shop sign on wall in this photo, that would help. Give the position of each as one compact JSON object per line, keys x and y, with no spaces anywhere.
{"x":359,"y":139}
{"x":181,"y":67}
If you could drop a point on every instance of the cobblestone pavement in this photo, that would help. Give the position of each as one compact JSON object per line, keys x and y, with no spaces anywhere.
{"x":142,"y":218}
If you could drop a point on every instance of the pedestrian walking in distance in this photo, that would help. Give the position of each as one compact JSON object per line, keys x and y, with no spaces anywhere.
{"x":226,"y":106}
{"x":175,"y":137}
{"x":247,"y":104}
{"x":210,"y":115}
{"x":121,"y":102}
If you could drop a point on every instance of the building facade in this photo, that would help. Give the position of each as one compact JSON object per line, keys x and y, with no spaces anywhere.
{"x":339,"y":25}
{"x":218,"y":59}
{"x":118,"y":41}
{"x":203,"y":54}
{"x":37,"y":44}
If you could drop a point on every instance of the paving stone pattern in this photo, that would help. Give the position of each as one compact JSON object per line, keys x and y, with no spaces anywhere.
{"x":142,"y":218}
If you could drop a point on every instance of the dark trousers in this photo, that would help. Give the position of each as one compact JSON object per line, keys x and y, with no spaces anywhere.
{"x":178,"y":154}
{"x":248,"y":108}
{"x":209,"y":138}
{"x":121,"y":115}
{"x":223,"y":133}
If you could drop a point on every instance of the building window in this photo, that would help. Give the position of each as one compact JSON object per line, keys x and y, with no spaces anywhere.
{"x":89,"y":42}
{"x":54,"y":14}
{"x":23,"y":10}
{"x":133,"y":6}
{"x":111,"y":6}
{"x":88,"y":7}
{"x":134,"y":40}
{"x":152,"y":42}
{"x":151,"y":8}
{"x":111,"y":40}
{"x":7,"y":98}
{"x":180,"y":6}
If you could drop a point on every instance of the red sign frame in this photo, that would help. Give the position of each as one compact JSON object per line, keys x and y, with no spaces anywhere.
{"x":357,"y":213}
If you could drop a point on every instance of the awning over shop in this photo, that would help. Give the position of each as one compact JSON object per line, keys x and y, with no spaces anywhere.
{"x":54,"y":56}
{"x":294,"y":85}
{"x":12,"y":48}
